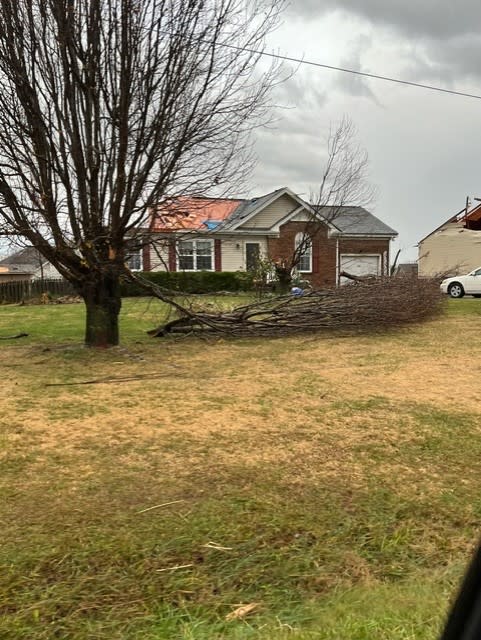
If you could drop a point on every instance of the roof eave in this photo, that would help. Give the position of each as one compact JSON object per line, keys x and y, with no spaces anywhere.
{"x":17,"y":273}
{"x":219,"y":232}
{"x":340,"y":234}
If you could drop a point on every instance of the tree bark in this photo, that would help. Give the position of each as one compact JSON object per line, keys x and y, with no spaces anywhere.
{"x":101,"y":294}
{"x":284,"y":279}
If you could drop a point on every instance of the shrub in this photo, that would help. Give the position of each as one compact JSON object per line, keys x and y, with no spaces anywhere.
{"x":192,"y":282}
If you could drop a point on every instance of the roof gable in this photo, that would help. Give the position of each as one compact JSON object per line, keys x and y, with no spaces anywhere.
{"x":249,"y":208}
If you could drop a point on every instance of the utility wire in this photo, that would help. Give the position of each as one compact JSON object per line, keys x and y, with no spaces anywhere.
{"x":364,"y":74}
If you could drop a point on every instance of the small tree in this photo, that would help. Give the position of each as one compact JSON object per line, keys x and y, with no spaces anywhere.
{"x":109,"y":105}
{"x":344,"y":182}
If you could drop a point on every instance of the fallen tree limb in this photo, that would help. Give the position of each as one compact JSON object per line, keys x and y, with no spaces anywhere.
{"x":162,"y":295}
{"x":152,"y":376}
{"x":351,"y":276}
{"x":368,"y":304}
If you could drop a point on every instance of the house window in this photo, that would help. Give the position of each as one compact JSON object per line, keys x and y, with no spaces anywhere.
{"x":195,"y":255}
{"x":134,"y":260}
{"x":303,"y":248}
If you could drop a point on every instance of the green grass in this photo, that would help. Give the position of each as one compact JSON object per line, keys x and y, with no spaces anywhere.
{"x":332,"y":480}
{"x":65,"y":323}
{"x":464,"y":307}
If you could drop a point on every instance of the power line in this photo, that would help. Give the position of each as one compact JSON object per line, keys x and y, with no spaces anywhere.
{"x":364,"y":74}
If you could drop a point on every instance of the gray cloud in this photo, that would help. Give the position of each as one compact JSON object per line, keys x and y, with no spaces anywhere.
{"x":422,"y":145}
{"x":438,"y":40}
{"x":305,"y":88}
{"x":453,"y":64}
{"x":459,"y":57}
{"x":352,"y":84}
{"x":432,"y":18}
{"x":292,"y":150}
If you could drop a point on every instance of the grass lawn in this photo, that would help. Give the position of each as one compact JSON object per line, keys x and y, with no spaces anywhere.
{"x":332,"y":481}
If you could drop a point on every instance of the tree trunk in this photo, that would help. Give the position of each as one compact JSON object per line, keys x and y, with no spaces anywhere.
{"x":101,"y":294}
{"x":284,"y":279}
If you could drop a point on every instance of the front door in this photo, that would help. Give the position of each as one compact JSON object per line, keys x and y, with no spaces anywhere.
{"x":253,"y":252}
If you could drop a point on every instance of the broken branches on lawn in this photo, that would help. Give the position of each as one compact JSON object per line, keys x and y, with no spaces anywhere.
{"x":370,"y":304}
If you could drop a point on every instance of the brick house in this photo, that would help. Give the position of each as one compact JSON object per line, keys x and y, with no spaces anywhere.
{"x":215,"y":234}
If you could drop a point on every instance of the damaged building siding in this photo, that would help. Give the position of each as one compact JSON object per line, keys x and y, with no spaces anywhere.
{"x":452,"y":249}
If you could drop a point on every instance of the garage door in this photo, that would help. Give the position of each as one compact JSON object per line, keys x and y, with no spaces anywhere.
{"x":360,"y":265}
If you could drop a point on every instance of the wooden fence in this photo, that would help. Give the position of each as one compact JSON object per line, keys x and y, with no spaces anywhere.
{"x":31,"y":289}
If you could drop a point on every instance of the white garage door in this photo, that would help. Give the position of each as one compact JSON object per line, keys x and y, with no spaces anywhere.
{"x":360,"y":265}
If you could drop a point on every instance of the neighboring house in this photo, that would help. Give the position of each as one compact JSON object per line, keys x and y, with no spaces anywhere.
{"x":407,"y":269}
{"x":216,"y":234}
{"x":26,"y":264}
{"x":454,"y":247}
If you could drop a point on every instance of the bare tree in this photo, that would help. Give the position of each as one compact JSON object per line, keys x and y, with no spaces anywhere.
{"x":344,"y":183}
{"x":107,"y":106}
{"x":345,"y":180}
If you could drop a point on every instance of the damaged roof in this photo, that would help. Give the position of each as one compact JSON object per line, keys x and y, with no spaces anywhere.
{"x":473,"y":216}
{"x":191,"y":213}
{"x":225,"y":214}
{"x":199,"y":213}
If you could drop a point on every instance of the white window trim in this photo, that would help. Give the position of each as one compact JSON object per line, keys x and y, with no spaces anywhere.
{"x":297,"y":241}
{"x":194,"y":255}
{"x":141,"y":255}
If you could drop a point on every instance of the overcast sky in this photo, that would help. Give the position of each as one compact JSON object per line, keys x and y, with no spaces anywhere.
{"x":423,"y":146}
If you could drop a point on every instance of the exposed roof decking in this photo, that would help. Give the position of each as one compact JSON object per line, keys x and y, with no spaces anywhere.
{"x":191,"y":214}
{"x":474,"y":215}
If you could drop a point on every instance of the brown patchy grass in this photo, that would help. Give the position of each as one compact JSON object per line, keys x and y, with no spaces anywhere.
{"x":251,"y":389}
{"x":325,"y":462}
